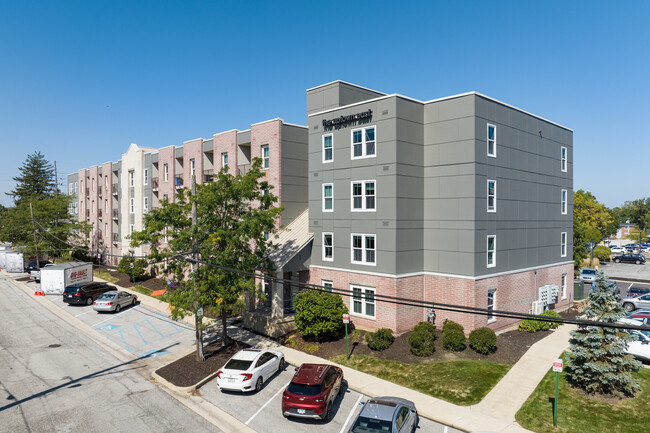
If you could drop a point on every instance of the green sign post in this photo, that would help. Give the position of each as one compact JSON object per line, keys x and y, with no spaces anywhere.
{"x":557,"y":368}
{"x":133,"y":272}
{"x":346,"y":320}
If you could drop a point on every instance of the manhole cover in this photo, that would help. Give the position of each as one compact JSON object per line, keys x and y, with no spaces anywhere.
{"x":54,"y":345}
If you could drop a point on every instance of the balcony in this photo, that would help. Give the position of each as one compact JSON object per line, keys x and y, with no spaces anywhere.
{"x":116,"y":214}
{"x":179,"y":181}
{"x":99,"y":213}
{"x":208,"y":175}
{"x":87,"y":192}
{"x":154,"y":184}
{"x":114,"y":189}
{"x":116,"y":238}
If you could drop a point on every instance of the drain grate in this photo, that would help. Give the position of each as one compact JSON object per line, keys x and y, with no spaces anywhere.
{"x":54,"y":345}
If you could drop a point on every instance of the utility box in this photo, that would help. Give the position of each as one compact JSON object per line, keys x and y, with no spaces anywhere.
{"x":55,"y":278}
{"x":578,"y":290}
{"x":15,"y":262}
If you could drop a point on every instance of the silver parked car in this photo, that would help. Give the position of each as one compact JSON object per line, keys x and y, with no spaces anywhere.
{"x":386,"y":414}
{"x":631,"y":303}
{"x":588,"y":275}
{"x":114,"y":301}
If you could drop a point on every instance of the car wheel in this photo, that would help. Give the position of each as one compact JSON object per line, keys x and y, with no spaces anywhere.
{"x":638,"y":262}
{"x":281,"y":364}
{"x":328,"y":413}
{"x":117,"y":308}
{"x":628,"y":307}
{"x":89,"y":301}
{"x":133,"y":302}
{"x":258,"y":384}
{"x":617,"y":260}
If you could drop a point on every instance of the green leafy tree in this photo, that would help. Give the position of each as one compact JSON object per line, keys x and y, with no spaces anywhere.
{"x":594,"y":215}
{"x":638,"y":212}
{"x":319,"y":314}
{"x":580,"y":252}
{"x":233,"y":218}
{"x":137,"y":271}
{"x":598,"y":363}
{"x":36,"y":180}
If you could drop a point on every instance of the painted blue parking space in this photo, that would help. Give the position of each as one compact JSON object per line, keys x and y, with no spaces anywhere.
{"x":138,"y":337}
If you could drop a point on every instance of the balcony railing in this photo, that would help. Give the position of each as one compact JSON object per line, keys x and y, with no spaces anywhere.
{"x":116,"y":214}
{"x":114,"y":189}
{"x":154,"y":184}
{"x":179,"y":181}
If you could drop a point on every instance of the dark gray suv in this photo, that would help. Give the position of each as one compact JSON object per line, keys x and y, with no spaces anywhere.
{"x":85,"y":293}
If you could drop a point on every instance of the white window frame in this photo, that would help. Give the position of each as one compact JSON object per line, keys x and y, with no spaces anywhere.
{"x":192,"y":167}
{"x":563,"y":285}
{"x":70,"y":188}
{"x":224,"y":159}
{"x":166,"y":172}
{"x":146,"y":176}
{"x":325,"y":185}
{"x":145,"y":207}
{"x":131,"y":178}
{"x":363,"y":196}
{"x":364,"y":249}
{"x":364,"y":153}
{"x":328,"y":285}
{"x":93,"y":185}
{"x":106,"y":207}
{"x":563,"y":202}
{"x":131,"y":228}
{"x":563,"y":159}
{"x":266,"y":160}
{"x":132,"y":205}
{"x":494,"y":141}
{"x":76,"y":208}
{"x":563,"y":241}
{"x":491,"y":317}
{"x":362,"y":301}
{"x":106,"y":182}
{"x":76,"y":187}
{"x":325,"y":160}
{"x":105,"y":229}
{"x":493,"y":251}
{"x":494,"y":197}
{"x":331,"y":258}
{"x":93,"y":206}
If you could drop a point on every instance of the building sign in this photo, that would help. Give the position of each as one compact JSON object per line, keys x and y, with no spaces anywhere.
{"x":339,"y":122}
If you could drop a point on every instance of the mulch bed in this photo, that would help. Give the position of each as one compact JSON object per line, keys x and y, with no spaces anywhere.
{"x":187,"y":371}
{"x":126,"y":280}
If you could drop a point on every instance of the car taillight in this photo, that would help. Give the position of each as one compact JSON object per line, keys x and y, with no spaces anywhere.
{"x":219,"y":374}
{"x":109,"y":303}
{"x":78,"y":294}
{"x":319,"y":400}
{"x":247,"y":377}
{"x":94,"y":303}
{"x":285,"y":396}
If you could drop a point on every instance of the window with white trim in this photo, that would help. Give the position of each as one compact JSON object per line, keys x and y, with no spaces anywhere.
{"x":106,"y":182}
{"x":146,"y":176}
{"x":328,"y":197}
{"x":491,"y":195}
{"x":363,"y":142}
{"x":76,"y":208}
{"x":131,"y":178}
{"x":106,"y":206}
{"x":363,"y":301}
{"x":491,"y":251}
{"x":93,"y":184}
{"x":166,"y":172}
{"x":131,"y":205}
{"x":224,"y":160}
{"x":328,"y":148}
{"x":76,"y":187}
{"x":363,"y":249}
{"x":70,"y":188}
{"x":146,"y":205}
{"x":363,"y":195}
{"x":563,"y":285}
{"x":192,"y":167}
{"x":328,"y":246}
{"x":492,"y":140}
{"x":563,"y":156}
{"x":563,"y":244}
{"x":93,"y":206}
{"x":328,"y":286}
{"x":265,"y":156}
{"x":105,"y":229}
{"x":563,"y":199}
{"x":491,"y":303}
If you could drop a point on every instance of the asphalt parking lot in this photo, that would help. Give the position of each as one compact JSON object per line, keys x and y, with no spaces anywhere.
{"x":262,"y":411}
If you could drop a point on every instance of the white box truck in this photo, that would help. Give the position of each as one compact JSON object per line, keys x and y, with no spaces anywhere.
{"x":3,"y":260}
{"x":55,"y":278}
{"x":15,"y":262}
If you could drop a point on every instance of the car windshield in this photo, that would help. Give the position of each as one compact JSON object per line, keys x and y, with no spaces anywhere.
{"x":368,"y":425}
{"x":238,"y":364}
{"x":106,"y":297}
{"x":302,"y":389}
{"x":588,"y":272}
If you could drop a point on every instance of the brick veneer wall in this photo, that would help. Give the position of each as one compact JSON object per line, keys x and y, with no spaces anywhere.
{"x":269,"y":133}
{"x":166,"y":156}
{"x":226,"y":142}
{"x":192,"y":149}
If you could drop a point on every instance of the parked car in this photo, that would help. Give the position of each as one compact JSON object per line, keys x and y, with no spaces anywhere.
{"x":617,"y":250}
{"x":114,"y":301}
{"x":85,"y":293}
{"x":637,"y":291}
{"x":248,"y":369}
{"x":639,"y":348}
{"x":634,"y":303}
{"x":636,"y":319}
{"x":386,"y":414}
{"x":312,"y":391}
{"x":639,"y":259}
{"x":588,"y":275}
{"x":32,"y":265}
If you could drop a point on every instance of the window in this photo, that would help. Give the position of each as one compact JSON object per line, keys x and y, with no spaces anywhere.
{"x":146,"y":205}
{"x":93,"y":184}
{"x":328,"y":197}
{"x":146,"y":176}
{"x":491,"y":251}
{"x":491,"y":195}
{"x":363,"y":195}
{"x":93,"y":206}
{"x":363,"y":301}
{"x":192,"y":167}
{"x":563,"y":284}
{"x":328,"y":155}
{"x":105,"y":229}
{"x":106,"y":182}
{"x":70,"y":188}
{"x":131,"y":228}
{"x":327,"y":285}
{"x":563,"y":159}
{"x":492,"y":140}
{"x":76,"y":209}
{"x":132,"y":205}
{"x":166,"y":172}
{"x":363,"y":142}
{"x":76,"y":187}
{"x":265,"y":156}
{"x":106,"y":207}
{"x":224,"y":160}
{"x":564,"y":202}
{"x":131,"y":178}
{"x":328,"y":246}
{"x":491,"y":302}
{"x":363,"y":249}
{"x":563,"y":244}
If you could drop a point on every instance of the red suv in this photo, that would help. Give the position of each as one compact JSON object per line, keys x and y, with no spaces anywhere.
{"x":312,"y":391}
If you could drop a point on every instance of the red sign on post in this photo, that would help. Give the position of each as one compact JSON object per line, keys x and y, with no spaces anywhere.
{"x":131,"y":264}
{"x":346,"y":318}
{"x":557,"y":365}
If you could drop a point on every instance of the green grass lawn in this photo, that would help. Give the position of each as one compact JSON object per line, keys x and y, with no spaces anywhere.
{"x":578,"y":414}
{"x":459,"y":382}
{"x":141,"y":289}
{"x":105,"y":276}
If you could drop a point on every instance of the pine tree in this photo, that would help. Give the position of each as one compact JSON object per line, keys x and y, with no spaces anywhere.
{"x":36,"y":180}
{"x":598,"y":362}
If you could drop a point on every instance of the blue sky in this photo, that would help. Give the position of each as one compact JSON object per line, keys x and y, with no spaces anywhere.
{"x":81,"y":80}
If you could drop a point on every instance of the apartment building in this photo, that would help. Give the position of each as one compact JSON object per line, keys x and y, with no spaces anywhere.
{"x":461,"y":200}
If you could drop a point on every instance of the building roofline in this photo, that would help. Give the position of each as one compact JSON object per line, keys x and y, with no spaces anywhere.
{"x":349,"y":84}
{"x":268,"y":121}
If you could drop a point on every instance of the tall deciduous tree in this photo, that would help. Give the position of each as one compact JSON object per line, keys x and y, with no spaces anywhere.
{"x":579,"y":244}
{"x":235,"y":215}
{"x":598,"y":363}
{"x":595,"y":216}
{"x":638,"y":212}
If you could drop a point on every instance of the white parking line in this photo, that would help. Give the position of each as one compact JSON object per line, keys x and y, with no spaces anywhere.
{"x":628,"y":288}
{"x":347,"y":420}
{"x":85,"y":312}
{"x":117,"y":315}
{"x":267,"y":403}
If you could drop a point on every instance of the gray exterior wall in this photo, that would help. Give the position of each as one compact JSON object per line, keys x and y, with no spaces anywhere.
{"x":431,"y":170}
{"x":294,"y":171}
{"x":337,"y":94}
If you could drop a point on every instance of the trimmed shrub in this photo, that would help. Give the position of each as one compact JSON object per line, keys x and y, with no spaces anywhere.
{"x":381,"y":339}
{"x":483,"y":340}
{"x":551,"y":313}
{"x":602,"y":253}
{"x":532,"y":325}
{"x":422,"y":339}
{"x":318,"y":314}
{"x":449,"y":324}
{"x":453,"y":339}
{"x":138,"y":270}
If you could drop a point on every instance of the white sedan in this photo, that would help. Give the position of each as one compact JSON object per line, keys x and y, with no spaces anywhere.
{"x":639,"y":348}
{"x":248,"y":369}
{"x":617,"y":250}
